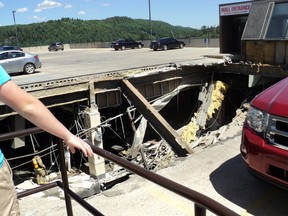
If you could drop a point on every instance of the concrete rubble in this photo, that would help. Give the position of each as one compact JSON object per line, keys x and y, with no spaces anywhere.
{"x":211,"y":97}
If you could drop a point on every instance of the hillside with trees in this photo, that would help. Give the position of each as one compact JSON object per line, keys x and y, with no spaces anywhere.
{"x":70,"y":30}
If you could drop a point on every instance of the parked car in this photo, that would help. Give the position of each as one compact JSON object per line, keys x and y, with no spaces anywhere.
{"x":166,"y":43}
{"x":126,"y":43}
{"x":56,"y":46}
{"x":15,"y":61}
{"x":264,"y":143}
{"x":2,"y":48}
{"x":18,"y":48}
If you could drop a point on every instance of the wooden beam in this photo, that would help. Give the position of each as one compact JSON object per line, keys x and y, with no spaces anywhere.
{"x":155,"y":119}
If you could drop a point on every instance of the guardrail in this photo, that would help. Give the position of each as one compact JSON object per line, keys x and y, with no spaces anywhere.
{"x":190,"y":42}
{"x":202,"y":203}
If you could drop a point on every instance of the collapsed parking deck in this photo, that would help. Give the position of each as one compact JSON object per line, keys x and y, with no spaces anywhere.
{"x":105,"y":102}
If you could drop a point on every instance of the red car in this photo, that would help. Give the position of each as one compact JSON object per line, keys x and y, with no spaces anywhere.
{"x":264,"y":144}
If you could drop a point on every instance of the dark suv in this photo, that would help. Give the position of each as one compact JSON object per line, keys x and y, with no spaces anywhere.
{"x":3,"y":48}
{"x":126,"y":43}
{"x":56,"y":46}
{"x":166,"y":43}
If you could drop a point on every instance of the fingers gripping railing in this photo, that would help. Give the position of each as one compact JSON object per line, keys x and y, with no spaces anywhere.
{"x":202,"y":202}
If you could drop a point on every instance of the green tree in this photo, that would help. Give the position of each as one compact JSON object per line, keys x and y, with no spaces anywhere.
{"x":70,"y":30}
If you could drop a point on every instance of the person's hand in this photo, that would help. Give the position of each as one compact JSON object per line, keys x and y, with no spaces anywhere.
{"x":75,"y":142}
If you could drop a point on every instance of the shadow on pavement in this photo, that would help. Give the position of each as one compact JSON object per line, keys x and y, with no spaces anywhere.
{"x":233,"y":181}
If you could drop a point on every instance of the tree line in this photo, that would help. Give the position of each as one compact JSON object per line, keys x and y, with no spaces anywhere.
{"x":69,"y":30}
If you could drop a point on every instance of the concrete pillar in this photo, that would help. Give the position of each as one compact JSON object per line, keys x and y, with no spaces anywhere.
{"x":18,"y":124}
{"x":91,"y":120}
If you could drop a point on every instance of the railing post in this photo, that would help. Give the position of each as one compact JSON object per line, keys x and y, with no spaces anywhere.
{"x":64,"y":177}
{"x":199,"y":210}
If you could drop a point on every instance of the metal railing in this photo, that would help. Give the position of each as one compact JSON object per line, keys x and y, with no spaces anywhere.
{"x":202,"y":203}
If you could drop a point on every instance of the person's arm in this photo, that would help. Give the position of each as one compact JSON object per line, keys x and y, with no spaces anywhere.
{"x":34,"y":110}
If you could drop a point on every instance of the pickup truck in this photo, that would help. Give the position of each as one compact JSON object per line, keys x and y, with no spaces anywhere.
{"x":264,"y":144}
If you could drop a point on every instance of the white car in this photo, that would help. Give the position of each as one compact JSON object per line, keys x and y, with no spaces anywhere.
{"x":15,"y":61}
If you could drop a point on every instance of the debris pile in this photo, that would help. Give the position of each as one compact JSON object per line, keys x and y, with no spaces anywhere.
{"x":158,"y":154}
{"x":225,"y":132}
{"x":211,"y":99}
{"x":155,"y":154}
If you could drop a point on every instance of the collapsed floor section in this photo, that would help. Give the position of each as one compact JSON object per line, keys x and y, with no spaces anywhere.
{"x":150,"y":120}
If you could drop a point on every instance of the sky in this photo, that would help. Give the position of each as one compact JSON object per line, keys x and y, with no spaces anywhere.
{"x":186,"y":13}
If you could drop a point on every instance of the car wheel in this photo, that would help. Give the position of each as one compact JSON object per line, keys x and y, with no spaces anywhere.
{"x":139,"y":46}
{"x":181,"y":45}
{"x":116,"y":49}
{"x":29,"y":68}
{"x":155,"y":49}
{"x":165,"y":47}
{"x":123,"y":48}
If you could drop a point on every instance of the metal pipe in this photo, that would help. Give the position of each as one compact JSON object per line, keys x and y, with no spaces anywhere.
{"x":15,"y":27}
{"x":83,"y":203}
{"x":198,"y":198}
{"x":150,"y":23}
{"x":199,"y":210}
{"x":20,"y":133}
{"x":36,"y":190}
{"x":64,"y":177}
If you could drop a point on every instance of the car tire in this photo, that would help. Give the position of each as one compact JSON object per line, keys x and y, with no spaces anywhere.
{"x":155,"y":49}
{"x":165,"y":47}
{"x":139,"y":46}
{"x":116,"y":49}
{"x":181,"y":45}
{"x":123,"y":47}
{"x":29,"y":68}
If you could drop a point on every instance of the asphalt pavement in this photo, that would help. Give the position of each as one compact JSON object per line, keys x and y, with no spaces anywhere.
{"x":80,"y":62}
